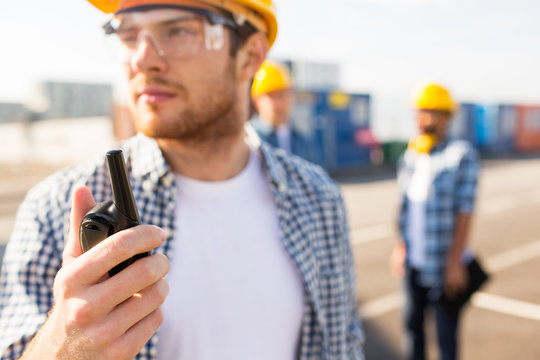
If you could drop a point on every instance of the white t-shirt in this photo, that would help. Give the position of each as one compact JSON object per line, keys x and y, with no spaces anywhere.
{"x":235,"y":293}
{"x":417,"y":192}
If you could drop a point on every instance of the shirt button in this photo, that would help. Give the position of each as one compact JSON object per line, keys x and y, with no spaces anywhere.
{"x":168,"y":232}
{"x":148,"y":185}
{"x":167,"y":180}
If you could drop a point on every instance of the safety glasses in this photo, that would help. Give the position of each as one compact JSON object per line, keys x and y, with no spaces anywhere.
{"x":172,"y":33}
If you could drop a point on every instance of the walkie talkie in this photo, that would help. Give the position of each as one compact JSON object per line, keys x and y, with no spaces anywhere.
{"x":109,"y":217}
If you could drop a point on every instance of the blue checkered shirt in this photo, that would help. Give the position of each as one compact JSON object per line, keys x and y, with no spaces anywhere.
{"x":452,"y":191}
{"x":313,"y":229}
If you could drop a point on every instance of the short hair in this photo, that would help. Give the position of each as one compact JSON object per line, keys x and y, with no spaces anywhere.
{"x":240,"y":36}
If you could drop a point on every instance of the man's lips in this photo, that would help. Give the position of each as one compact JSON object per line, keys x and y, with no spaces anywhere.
{"x":150,"y":95}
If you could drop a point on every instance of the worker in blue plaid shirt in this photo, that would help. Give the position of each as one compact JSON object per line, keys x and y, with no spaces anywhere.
{"x":437,"y":178}
{"x":250,"y":254}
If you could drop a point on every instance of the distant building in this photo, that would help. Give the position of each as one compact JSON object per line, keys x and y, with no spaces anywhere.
{"x":315,"y":75}
{"x":11,"y":112}
{"x":63,"y":100}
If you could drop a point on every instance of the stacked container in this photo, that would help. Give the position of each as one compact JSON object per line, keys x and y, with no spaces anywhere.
{"x":527,"y":136}
{"x":490,"y":128}
{"x":339,"y":125}
{"x":463,"y":123}
{"x":506,"y":127}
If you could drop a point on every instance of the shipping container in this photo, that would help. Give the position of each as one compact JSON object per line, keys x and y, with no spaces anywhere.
{"x":347,"y":116}
{"x":308,"y":119}
{"x":528,"y":129}
{"x":506,"y":128}
{"x":486,"y":128}
{"x":463,"y":125}
{"x":477,"y":124}
{"x":339,"y":125}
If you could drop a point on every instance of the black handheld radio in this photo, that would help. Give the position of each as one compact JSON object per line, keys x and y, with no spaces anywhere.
{"x":109,"y":217}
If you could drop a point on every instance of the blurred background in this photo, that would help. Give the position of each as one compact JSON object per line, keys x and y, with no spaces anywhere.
{"x":355,"y":64}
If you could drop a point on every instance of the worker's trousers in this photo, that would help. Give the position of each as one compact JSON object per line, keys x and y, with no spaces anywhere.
{"x":418,"y":300}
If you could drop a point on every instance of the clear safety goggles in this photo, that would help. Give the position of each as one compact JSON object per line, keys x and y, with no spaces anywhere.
{"x":173,"y":33}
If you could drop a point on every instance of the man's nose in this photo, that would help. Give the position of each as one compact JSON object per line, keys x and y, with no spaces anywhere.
{"x":147,"y":54}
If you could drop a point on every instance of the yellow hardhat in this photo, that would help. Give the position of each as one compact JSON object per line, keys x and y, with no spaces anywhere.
{"x":259,"y":13}
{"x":272,"y":76}
{"x":434,"y":97}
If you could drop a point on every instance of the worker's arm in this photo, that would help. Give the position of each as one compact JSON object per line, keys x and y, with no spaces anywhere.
{"x":464,"y":196}
{"x":456,"y":274}
{"x":99,"y":317}
{"x":397,"y":259}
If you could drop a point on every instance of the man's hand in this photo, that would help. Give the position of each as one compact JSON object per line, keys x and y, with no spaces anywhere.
{"x":455,"y":278}
{"x":96,"y":316}
{"x":397,"y":259}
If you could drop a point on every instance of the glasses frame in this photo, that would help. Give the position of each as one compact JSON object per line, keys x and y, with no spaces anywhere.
{"x":111,"y":26}
{"x":213,"y":26}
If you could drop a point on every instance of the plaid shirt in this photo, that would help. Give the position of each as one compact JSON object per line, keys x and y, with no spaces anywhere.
{"x":313,"y":229}
{"x":452,"y":191}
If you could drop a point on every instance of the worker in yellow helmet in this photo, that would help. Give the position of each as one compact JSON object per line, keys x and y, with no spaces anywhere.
{"x":435,"y":109}
{"x":246,"y":235}
{"x":273,"y":98}
{"x":438,"y":177}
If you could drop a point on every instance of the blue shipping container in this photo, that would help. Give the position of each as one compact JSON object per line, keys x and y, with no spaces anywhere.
{"x":507,"y":118}
{"x":346,"y":114}
{"x":332,"y":120}
{"x":485,"y":120}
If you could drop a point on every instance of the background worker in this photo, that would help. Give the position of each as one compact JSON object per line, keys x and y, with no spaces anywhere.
{"x":273,"y":98}
{"x":438,"y":177}
{"x":260,"y":261}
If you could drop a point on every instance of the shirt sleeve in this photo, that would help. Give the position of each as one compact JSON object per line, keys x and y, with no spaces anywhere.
{"x":30,"y":263}
{"x":355,"y":334}
{"x":466,"y":181}
{"x":402,"y":200}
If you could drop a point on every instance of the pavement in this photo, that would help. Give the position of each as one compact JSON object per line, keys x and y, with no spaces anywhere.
{"x":501,"y":322}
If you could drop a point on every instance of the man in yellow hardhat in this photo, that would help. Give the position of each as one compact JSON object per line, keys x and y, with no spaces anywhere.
{"x":273,"y":98}
{"x":438,"y":177}
{"x":260,"y":262}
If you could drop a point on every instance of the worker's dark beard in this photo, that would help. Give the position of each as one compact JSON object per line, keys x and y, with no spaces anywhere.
{"x":430,"y":130}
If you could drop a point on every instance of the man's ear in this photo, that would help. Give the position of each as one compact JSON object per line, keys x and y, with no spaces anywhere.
{"x":251,"y":56}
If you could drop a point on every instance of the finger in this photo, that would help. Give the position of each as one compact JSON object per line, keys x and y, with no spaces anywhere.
{"x":82,"y":202}
{"x":131,"y":343}
{"x":137,"y":307}
{"x":397,"y":270}
{"x":117,"y":248}
{"x":136,"y":277}
{"x":462,"y":285}
{"x":451,"y":290}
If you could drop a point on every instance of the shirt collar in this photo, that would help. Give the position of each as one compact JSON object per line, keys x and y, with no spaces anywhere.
{"x":148,"y":160}
{"x":440,"y":145}
{"x":274,"y":168}
{"x":276,"y":171}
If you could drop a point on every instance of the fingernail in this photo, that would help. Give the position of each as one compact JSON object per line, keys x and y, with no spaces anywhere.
{"x":163,"y":235}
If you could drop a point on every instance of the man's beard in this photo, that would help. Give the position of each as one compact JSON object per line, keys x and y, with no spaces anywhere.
{"x":214,"y":119}
{"x":430,"y":130}
{"x":217,"y":120}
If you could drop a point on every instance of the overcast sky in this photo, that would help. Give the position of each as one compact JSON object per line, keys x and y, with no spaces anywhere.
{"x":483,"y":50}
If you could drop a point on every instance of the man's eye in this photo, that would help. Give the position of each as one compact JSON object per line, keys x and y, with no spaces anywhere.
{"x":128,"y":38}
{"x":180,"y":31}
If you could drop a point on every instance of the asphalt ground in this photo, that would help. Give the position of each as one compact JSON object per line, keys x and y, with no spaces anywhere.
{"x":501,"y":322}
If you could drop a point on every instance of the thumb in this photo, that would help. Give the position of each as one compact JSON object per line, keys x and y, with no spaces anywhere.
{"x":83,"y":201}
